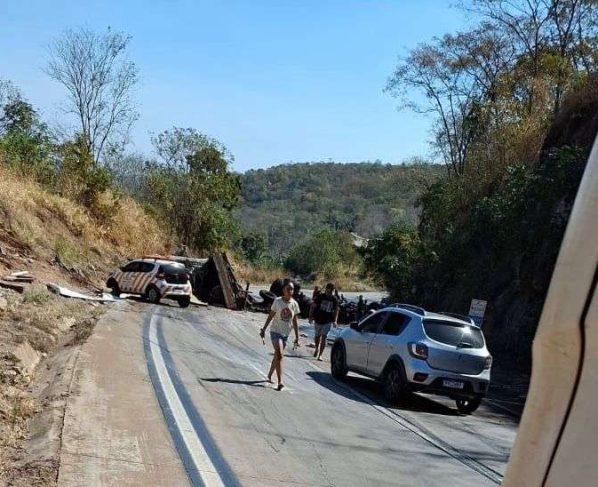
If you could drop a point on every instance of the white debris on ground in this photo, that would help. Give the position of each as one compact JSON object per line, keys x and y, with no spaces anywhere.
{"x":69,"y":293}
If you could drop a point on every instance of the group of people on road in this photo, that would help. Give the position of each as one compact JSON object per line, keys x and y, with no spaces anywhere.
{"x":283,"y":318}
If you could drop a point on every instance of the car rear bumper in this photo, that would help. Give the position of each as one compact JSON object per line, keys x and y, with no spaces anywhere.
{"x":174,"y":291}
{"x":423,"y":378}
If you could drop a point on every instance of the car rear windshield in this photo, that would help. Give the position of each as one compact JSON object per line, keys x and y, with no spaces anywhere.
{"x":452,"y":333}
{"x":173,"y":269}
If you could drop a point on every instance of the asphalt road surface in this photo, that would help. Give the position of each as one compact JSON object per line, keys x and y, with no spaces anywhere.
{"x":169,"y":396}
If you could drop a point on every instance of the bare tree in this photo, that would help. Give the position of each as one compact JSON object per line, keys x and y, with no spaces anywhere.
{"x":558,"y":32}
{"x":100,"y":81}
{"x":459,"y":77}
{"x":527,"y":22}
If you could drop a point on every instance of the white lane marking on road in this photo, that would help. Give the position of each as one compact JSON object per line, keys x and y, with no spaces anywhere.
{"x":201,"y":459}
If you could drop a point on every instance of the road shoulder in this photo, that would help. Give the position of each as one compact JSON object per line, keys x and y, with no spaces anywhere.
{"x":114,"y":432}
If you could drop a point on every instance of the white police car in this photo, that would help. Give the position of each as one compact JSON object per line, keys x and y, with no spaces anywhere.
{"x":154,"y":279}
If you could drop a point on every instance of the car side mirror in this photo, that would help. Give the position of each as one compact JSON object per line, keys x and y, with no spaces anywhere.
{"x":354,"y":325}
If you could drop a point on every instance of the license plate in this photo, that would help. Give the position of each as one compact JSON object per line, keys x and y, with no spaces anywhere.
{"x":453,"y":384}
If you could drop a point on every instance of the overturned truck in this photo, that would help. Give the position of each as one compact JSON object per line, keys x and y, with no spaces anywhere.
{"x":214,"y":282}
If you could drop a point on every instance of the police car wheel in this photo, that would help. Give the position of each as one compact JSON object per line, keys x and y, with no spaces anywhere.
{"x":114,"y":288}
{"x":184,"y":302}
{"x":153,"y":295}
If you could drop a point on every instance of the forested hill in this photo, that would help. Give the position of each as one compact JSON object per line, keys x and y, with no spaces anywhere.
{"x":288,"y":202}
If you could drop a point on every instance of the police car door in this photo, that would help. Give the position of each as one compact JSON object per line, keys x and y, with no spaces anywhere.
{"x":147,"y":271}
{"x":130,"y":272}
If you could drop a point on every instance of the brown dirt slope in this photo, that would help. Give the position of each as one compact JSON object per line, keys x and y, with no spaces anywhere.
{"x":56,"y":240}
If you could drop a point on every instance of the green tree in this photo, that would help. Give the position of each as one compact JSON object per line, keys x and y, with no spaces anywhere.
{"x":194,"y":189}
{"x":25,"y":140}
{"x":327,"y":254}
{"x":395,"y":259}
{"x":253,"y":246}
{"x":83,"y":181}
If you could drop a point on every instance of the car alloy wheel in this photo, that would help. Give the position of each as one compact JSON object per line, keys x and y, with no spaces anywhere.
{"x":152,"y":295}
{"x":468,"y":406}
{"x":337,"y":361}
{"x":393,"y":383}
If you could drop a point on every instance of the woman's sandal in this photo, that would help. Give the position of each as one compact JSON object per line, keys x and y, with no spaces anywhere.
{"x":279,"y":387}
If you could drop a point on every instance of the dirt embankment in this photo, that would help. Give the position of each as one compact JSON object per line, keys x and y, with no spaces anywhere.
{"x":55,"y":240}
{"x":40,"y":333}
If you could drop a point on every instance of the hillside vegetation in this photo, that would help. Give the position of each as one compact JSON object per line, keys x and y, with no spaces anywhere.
{"x":47,"y":227}
{"x":515,"y":100}
{"x":288,"y":203}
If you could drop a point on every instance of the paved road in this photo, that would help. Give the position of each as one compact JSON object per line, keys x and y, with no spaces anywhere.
{"x":229,"y":427}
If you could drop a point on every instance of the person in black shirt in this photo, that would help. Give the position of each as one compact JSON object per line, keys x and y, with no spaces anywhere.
{"x":324,"y":311}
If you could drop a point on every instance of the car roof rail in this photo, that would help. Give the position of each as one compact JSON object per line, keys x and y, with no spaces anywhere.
{"x":469,"y":319}
{"x":410,"y":307}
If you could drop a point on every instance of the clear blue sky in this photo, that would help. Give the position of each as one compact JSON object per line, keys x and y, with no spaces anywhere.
{"x":274,"y":80}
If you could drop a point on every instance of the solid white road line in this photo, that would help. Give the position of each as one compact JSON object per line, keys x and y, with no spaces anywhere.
{"x":203,"y":464}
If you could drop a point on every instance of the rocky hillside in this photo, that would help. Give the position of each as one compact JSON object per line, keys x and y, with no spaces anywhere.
{"x":515,"y":284}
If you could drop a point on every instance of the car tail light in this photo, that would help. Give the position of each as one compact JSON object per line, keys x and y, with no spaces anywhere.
{"x":488,"y":362}
{"x":418,"y":350}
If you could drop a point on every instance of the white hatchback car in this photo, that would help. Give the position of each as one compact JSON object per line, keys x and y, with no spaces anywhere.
{"x":154,"y":279}
{"x":408,"y":348}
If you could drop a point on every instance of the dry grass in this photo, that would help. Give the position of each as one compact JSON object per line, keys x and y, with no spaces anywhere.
{"x":38,"y":309}
{"x":351,"y":284}
{"x":16,"y":408}
{"x":48,"y":225}
{"x":35,"y":316}
{"x":257,"y":274}
{"x":36,"y":227}
{"x":82,"y":331}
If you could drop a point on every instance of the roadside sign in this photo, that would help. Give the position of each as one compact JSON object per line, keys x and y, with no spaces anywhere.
{"x":477,"y":311}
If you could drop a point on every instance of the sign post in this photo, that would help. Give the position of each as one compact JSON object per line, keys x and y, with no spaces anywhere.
{"x":477,"y":311}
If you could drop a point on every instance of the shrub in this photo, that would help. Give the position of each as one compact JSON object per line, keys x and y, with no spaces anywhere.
{"x":328,"y":253}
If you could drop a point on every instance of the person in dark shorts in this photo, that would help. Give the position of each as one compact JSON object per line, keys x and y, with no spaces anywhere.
{"x":283,"y":316}
{"x":324,"y":311}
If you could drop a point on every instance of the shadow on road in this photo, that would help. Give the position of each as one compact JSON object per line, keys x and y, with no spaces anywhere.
{"x":252,"y":383}
{"x":371,"y":389}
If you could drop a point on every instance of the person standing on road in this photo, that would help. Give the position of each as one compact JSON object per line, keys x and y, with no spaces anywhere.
{"x":360,"y":308}
{"x":324,"y":311}
{"x":283,"y":314}
{"x":315,"y":293}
